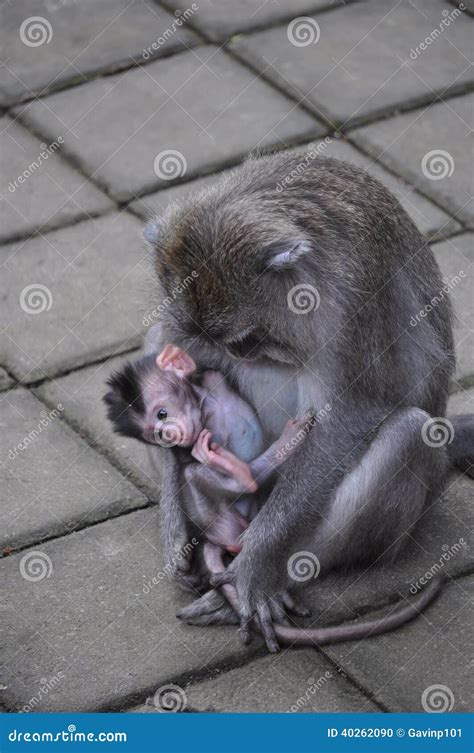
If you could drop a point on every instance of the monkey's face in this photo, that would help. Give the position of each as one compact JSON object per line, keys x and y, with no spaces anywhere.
{"x":172,"y":415}
{"x":239,"y":282}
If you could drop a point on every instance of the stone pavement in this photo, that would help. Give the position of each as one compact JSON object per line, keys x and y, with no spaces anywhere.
{"x":109,"y":109}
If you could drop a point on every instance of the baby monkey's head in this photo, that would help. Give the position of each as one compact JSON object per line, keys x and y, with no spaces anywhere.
{"x":154,"y":401}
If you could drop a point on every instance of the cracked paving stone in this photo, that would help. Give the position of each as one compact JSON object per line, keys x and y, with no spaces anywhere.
{"x":357,"y":61}
{"x":72,"y":296}
{"x":52,"y":481}
{"x":78,"y":40}
{"x":176,"y":115}
{"x":40,"y":188}
{"x":430,"y":148}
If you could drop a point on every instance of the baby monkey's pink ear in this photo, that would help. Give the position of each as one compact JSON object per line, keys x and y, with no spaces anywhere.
{"x":176,"y":360}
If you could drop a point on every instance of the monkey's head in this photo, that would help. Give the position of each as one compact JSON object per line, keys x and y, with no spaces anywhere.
{"x":153,"y":400}
{"x":241,"y":260}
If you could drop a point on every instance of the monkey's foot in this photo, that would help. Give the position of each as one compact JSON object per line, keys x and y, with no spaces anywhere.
{"x":210,"y":609}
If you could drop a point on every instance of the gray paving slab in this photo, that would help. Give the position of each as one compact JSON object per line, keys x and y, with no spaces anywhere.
{"x":292,"y":681}
{"x":46,"y":43}
{"x":455,"y":257}
{"x":95,"y":619}
{"x":425,"y":665}
{"x":181,"y":114}
{"x":39,"y":189}
{"x":427,"y":216}
{"x":52,"y":481}
{"x":81,"y":393}
{"x":362,"y":60}
{"x":430,"y":147}
{"x":219,"y":20}
{"x":72,"y":295}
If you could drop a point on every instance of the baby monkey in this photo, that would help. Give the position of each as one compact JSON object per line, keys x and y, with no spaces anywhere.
{"x":163,"y":399}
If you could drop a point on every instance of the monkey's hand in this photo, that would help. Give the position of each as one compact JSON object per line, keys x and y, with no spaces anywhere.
{"x":219,"y":459}
{"x":258,"y":586}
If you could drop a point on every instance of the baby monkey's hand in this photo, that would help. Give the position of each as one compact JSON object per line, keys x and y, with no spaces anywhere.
{"x":211,"y":454}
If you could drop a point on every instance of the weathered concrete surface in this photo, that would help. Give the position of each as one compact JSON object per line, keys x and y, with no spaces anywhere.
{"x":456,"y":260}
{"x":437,"y":138}
{"x":435,"y":649}
{"x":358,"y":61}
{"x":92,"y":621}
{"x":219,"y":20}
{"x":52,"y":482}
{"x":293,"y":681}
{"x":166,"y":111}
{"x":81,"y":394}
{"x":103,"y":35}
{"x":71,"y":296}
{"x":38,"y":190}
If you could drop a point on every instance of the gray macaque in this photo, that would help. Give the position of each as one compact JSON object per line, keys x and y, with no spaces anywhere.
{"x":302,"y":297}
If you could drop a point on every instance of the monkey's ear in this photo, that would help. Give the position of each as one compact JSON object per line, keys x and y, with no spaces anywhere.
{"x":153,"y":230}
{"x":285,"y":254}
{"x":176,"y":360}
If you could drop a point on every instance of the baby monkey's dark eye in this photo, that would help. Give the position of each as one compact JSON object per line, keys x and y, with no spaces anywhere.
{"x":162,"y":414}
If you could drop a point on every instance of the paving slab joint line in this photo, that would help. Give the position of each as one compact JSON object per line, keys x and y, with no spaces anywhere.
{"x":68,"y":157}
{"x":391,"y":167}
{"x":108,"y":70}
{"x":234,"y":661}
{"x":264,"y":26}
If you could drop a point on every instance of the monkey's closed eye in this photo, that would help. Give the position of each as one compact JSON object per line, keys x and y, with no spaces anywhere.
{"x":162,"y":414}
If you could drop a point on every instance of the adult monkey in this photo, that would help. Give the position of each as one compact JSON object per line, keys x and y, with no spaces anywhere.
{"x":303,"y":298}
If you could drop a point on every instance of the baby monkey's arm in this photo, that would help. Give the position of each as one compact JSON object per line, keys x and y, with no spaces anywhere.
{"x":240,"y":476}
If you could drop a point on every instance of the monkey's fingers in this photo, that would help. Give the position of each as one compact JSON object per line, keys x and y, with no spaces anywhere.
{"x":207,"y":603}
{"x":219,"y":579}
{"x":266,"y":624}
{"x":245,"y":631}
{"x":297,"y":609}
